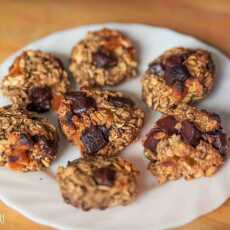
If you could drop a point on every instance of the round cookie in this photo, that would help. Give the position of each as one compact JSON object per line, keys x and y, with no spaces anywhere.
{"x":34,"y":78}
{"x":179,"y":147}
{"x":104,"y":57}
{"x":100,"y":122}
{"x":179,"y":75}
{"x":98,"y":183}
{"x":27,"y":142}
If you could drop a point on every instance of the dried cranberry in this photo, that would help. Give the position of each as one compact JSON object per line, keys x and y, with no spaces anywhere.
{"x":156,"y":69}
{"x":120,"y":101}
{"x":80,"y":102}
{"x":103,"y":59}
{"x":175,"y":73}
{"x":190,"y":133}
{"x":104,"y":176}
{"x":40,"y":98}
{"x":167,"y":124}
{"x":94,"y":138}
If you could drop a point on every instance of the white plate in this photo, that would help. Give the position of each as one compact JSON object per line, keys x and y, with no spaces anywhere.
{"x":36,"y":195}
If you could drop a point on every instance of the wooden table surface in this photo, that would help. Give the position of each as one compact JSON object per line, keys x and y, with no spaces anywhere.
{"x":24,"y":21}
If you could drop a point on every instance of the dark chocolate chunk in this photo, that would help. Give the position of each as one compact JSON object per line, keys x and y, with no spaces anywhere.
{"x":190,"y":133}
{"x":104,"y":176}
{"x":151,"y":142}
{"x":80,"y":102}
{"x":104,"y":59}
{"x":167,"y":124}
{"x":156,"y":69}
{"x":174,"y":60}
{"x":175,"y":73}
{"x":94,"y":138}
{"x":120,"y":101}
{"x":40,"y":98}
{"x":218,"y":140}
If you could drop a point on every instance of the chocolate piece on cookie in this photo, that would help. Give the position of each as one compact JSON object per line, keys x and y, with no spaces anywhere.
{"x":27,"y":142}
{"x":34,"y":79}
{"x":188,"y":144}
{"x":98,"y":182}
{"x":100,"y":122}
{"x":104,"y":57}
{"x":179,"y":75}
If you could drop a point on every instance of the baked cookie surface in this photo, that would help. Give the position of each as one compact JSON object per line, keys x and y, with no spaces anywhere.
{"x":98,"y":183}
{"x":27,"y":142}
{"x":180,"y":147}
{"x":33,"y":79}
{"x":179,"y":75}
{"x":100,"y":122}
{"x":104,"y":57}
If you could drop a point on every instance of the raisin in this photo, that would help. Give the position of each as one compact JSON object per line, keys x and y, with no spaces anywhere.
{"x":156,"y":69}
{"x":120,"y":101}
{"x":167,"y":124}
{"x":174,"y":60}
{"x":94,"y":138}
{"x":40,"y":98}
{"x":103,"y":59}
{"x":104,"y":176}
{"x":175,"y":73}
{"x":190,"y":133}
{"x":80,"y":102}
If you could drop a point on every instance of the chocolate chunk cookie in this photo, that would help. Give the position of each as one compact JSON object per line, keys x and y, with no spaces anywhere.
{"x":98,"y":183}
{"x":179,"y":75}
{"x":27,"y":142}
{"x":100,"y":122}
{"x":183,"y":147}
{"x":104,"y":57}
{"x":34,"y":79}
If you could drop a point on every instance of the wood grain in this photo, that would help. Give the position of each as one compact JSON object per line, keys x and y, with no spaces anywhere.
{"x":24,"y":21}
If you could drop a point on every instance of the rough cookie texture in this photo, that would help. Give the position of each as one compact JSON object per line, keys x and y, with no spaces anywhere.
{"x":179,"y":75}
{"x":100,"y":122}
{"x":33,"y":79}
{"x":27,"y":142}
{"x":181,"y":147}
{"x":98,"y":183}
{"x":104,"y":57}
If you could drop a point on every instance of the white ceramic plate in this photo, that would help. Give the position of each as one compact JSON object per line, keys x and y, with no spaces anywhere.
{"x":36,"y":195}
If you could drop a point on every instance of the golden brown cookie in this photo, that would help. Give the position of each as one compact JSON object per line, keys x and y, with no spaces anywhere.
{"x":100,"y":122}
{"x":34,"y":78}
{"x":179,"y":75}
{"x":182,"y":147}
{"x":27,"y":142}
{"x":98,"y":183}
{"x":104,"y":57}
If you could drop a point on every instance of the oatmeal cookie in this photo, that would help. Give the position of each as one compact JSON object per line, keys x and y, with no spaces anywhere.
{"x":179,"y":75}
{"x":98,"y":183}
{"x":27,"y":142}
{"x":104,"y":57}
{"x":100,"y":122}
{"x":33,"y":79}
{"x":179,"y":147}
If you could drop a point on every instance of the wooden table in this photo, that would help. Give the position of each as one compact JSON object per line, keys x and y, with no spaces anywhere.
{"x":24,"y":21}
